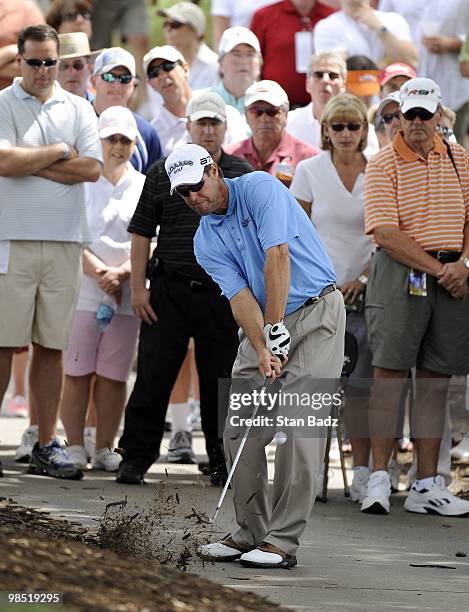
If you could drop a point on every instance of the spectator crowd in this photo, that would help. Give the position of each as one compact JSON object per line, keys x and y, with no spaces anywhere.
{"x":357,"y":109}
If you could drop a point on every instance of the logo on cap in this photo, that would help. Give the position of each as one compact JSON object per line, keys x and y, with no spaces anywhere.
{"x":178,"y":166}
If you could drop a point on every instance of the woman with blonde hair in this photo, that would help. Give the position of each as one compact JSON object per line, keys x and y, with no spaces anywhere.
{"x":330,"y":188}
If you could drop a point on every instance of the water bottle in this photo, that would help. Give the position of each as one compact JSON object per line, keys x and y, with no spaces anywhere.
{"x":105,"y":312}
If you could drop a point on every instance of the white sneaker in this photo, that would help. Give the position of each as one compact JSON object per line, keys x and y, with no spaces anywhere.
{"x":180,"y":448}
{"x":106,"y":459}
{"x":89,"y":439}
{"x":226,"y":550}
{"x":77,"y":456}
{"x":436,"y":499}
{"x":460,"y":452}
{"x":394,"y":475}
{"x":359,"y":486}
{"x":28,"y":440}
{"x":377,"y":495}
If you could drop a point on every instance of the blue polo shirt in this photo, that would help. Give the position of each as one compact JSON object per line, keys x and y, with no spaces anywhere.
{"x":262,"y":213}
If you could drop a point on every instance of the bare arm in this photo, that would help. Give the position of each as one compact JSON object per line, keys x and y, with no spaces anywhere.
{"x":72,"y":171}
{"x":406,"y":250}
{"x":306,"y":206}
{"x":453,"y":276}
{"x":8,"y":65}
{"x":139,"y":255}
{"x":219,"y":25}
{"x":277,"y":282}
{"x":25,"y":161}
{"x":442,"y":44}
{"x":91,"y":264}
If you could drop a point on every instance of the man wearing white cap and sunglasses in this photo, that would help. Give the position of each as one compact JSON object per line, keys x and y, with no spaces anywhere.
{"x":256,"y":243}
{"x":416,"y":203}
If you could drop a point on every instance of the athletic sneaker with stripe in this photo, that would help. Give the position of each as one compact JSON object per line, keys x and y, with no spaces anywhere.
{"x":377,"y":495}
{"x":436,"y":499}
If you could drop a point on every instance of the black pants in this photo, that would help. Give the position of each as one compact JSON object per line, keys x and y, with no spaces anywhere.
{"x":182,"y":313}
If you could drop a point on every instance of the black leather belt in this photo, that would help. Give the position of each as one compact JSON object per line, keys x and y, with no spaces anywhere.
{"x":192,"y":283}
{"x":316,"y":298}
{"x":445,"y":256}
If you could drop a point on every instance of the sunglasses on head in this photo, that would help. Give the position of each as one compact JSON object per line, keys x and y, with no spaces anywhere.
{"x":388,"y":117}
{"x":340,"y":127}
{"x":166,"y":66}
{"x":421,"y":113}
{"x":319,"y":74}
{"x":124,"y":79}
{"x":76,"y":65}
{"x":115,"y":139}
{"x":184,"y":190}
{"x":37,"y":63}
{"x":257,"y":111}
{"x":173,"y":25}
{"x":72,"y":15}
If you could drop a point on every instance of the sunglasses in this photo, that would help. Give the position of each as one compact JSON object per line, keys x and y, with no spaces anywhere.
{"x":257,"y":111}
{"x":166,"y":66}
{"x":340,"y":127}
{"x":445,"y":131}
{"x":173,"y":25}
{"x":421,"y":113}
{"x":319,"y":74}
{"x":114,"y":139}
{"x":124,"y":79}
{"x":184,"y":191}
{"x":72,"y":15}
{"x":76,"y":65}
{"x":37,"y":63}
{"x":388,"y":117}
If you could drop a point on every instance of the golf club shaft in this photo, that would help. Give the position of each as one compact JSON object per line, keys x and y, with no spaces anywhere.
{"x":238,"y":454}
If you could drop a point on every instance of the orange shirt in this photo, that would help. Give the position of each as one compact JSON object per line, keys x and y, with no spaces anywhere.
{"x":422,"y":197}
{"x":14,"y":16}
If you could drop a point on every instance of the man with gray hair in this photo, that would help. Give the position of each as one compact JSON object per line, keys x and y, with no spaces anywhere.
{"x":327,"y":75}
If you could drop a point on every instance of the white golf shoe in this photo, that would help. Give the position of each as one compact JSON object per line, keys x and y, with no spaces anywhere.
{"x":268,"y":556}
{"x":226,"y":550}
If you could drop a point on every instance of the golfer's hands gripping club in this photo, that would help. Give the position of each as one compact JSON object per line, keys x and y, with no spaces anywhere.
{"x":277,"y":344}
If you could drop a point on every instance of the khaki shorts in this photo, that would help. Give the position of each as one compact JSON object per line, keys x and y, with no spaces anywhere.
{"x":405,"y":330}
{"x":38,"y":293}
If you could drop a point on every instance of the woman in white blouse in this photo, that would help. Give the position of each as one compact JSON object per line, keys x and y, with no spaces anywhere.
{"x":98,"y":360}
{"x":330,"y":188}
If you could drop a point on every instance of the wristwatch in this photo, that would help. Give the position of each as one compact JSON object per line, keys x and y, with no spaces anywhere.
{"x":363,"y":279}
{"x":66,"y":154}
{"x":382,"y":31}
{"x":465,"y":261}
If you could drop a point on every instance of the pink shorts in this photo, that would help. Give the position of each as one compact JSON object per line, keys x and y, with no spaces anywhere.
{"x":109,"y":354}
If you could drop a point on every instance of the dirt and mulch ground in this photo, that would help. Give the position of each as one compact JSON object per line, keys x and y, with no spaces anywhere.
{"x":134,"y":560}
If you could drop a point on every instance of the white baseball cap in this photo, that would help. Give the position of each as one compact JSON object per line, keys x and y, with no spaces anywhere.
{"x":165,"y":52}
{"x":394,"y":96}
{"x":419,"y":93}
{"x":185,"y":166}
{"x":207,"y":104}
{"x":117,"y":120}
{"x":267,"y":91}
{"x":237,"y":36}
{"x":187,"y":13}
{"x":113,"y":57}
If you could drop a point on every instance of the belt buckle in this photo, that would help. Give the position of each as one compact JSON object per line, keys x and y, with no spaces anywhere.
{"x":313,"y":300}
{"x":193,"y":284}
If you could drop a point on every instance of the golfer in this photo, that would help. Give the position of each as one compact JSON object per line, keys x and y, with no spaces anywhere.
{"x":259,"y":246}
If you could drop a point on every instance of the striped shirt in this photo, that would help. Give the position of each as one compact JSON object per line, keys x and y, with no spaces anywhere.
{"x":178,"y":223}
{"x":35,"y":208}
{"x":424,"y":198}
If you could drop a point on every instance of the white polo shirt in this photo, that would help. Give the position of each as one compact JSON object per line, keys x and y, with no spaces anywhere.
{"x":302,"y":124}
{"x":109,"y":209}
{"x":204,"y":70}
{"x":34,"y":208}
{"x":338,"y":215}
{"x":339,"y":32}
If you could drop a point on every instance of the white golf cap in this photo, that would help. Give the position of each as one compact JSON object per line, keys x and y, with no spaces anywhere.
{"x":185,"y":166}
{"x":266,"y":91}
{"x":117,"y":120}
{"x":420,"y":93}
{"x":165,"y":52}
{"x":392,"y":97}
{"x":237,"y":36}
{"x":187,"y":13}
{"x":208,"y":104}
{"x":113,"y":57}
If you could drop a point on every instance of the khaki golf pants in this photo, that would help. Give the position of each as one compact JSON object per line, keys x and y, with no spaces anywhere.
{"x":279,"y":515}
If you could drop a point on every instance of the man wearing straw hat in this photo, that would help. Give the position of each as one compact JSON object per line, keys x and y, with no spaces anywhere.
{"x":75,"y":64}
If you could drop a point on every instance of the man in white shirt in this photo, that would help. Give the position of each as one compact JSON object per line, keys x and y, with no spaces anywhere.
{"x":439,"y":29}
{"x":358,"y":29}
{"x":49,"y":146}
{"x":168,"y":74}
{"x":327,"y":75}
{"x":184,"y":28}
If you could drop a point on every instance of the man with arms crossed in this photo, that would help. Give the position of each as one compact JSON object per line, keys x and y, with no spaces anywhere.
{"x":49,"y":146}
{"x":257,"y":244}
